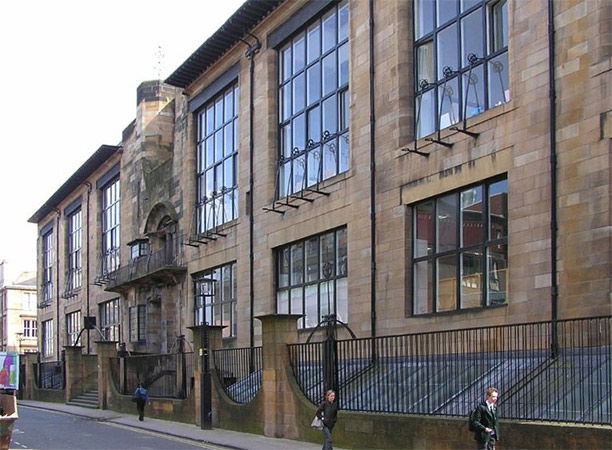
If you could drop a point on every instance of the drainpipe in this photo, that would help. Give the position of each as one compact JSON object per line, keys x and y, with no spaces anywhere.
{"x":372,"y":177}
{"x":89,"y":188}
{"x":57,"y":280}
{"x":553,"y":178}
{"x":252,"y":50}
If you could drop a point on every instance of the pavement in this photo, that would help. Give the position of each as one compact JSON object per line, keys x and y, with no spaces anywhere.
{"x":215,"y":438}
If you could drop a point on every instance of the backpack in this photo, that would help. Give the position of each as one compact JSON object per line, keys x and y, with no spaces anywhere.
{"x":471,"y":417}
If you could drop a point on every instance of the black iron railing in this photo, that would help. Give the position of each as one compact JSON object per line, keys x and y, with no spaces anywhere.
{"x":447,"y":372}
{"x":239,"y":371}
{"x":50,"y":374}
{"x":164,"y":375}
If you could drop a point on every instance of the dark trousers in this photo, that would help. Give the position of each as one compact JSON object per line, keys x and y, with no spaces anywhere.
{"x":327,"y":439}
{"x":488,"y":445}
{"x":140,"y":405}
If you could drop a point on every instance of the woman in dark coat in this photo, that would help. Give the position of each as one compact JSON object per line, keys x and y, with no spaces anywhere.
{"x":327,"y":412}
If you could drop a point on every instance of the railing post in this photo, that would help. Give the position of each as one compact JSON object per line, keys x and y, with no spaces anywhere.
{"x":280,"y":407}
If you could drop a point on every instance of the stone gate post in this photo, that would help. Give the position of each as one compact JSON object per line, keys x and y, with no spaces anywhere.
{"x":105,"y":351}
{"x":280,"y":409}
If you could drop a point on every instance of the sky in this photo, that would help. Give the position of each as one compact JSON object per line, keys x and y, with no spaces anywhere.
{"x":68,"y":73}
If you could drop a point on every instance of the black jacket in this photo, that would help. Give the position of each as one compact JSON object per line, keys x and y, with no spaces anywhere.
{"x":327,"y":412}
{"x":482,"y":418}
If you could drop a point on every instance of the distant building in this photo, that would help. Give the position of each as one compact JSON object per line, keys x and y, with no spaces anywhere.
{"x":18,"y":309}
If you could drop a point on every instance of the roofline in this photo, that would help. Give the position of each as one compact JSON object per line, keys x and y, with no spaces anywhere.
{"x":246,"y":17}
{"x":90,"y":166}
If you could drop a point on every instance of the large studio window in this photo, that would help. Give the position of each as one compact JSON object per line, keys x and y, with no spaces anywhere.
{"x":137,"y":319}
{"x":461,"y":60}
{"x":215,"y":298}
{"x":110,"y":320}
{"x":460,"y":249}
{"x":73,"y":327}
{"x":314,"y":103}
{"x":312,"y":278}
{"x":111,"y":199}
{"x":47,"y":338}
{"x":47,"y":262}
{"x":74,"y":250}
{"x":217,"y":161}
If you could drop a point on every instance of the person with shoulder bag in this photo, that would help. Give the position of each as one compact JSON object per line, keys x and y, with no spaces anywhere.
{"x":141,"y":398}
{"x":483,"y":422}
{"x":327,"y":412}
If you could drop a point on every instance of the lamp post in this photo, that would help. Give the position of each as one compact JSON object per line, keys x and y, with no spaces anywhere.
{"x":19,"y":337}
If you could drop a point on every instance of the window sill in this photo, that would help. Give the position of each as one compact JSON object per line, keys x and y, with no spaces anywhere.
{"x":456,"y":311}
{"x":470,"y":123}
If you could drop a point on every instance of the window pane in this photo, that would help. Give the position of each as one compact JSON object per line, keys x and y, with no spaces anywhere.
{"x":314,"y":124}
{"x":327,"y":256}
{"x":497,"y":267}
{"x":228,"y":136}
{"x":286,"y":140}
{"x":447,"y":223}
{"x":297,"y":302}
{"x":229,"y":105}
{"x":286,"y":101}
{"x":472,"y":37}
{"x":314,"y":165}
{"x":312,"y":259}
{"x":282,"y":302}
{"x":313,"y":81}
{"x":447,"y":9}
{"x":447,"y":283}
{"x":342,"y":299}
{"x":473,"y":91}
{"x":314,"y":42}
{"x":299,"y":132}
{"x":283,"y":268}
{"x":471,"y":279}
{"x":343,"y":163}
{"x":299,"y":169}
{"x":297,"y":264}
{"x":341,"y":253}
{"x":312,"y":307}
{"x":343,"y":14}
{"x":448,"y":96}
{"x":330,"y":115}
{"x":299,"y":47}
{"x":329,"y":31}
{"x":329,"y":159}
{"x":424,"y":235}
{"x":448,"y":53}
{"x":286,"y":63}
{"x":499,"y":90}
{"x":498,"y":209}
{"x":467,"y":4}
{"x":425,"y":64}
{"x":423,"y":287}
{"x":330,"y":82}
{"x":327,"y":298}
{"x":499,"y":26}
{"x":472,"y":209}
{"x":343,"y":65}
{"x":423,"y":17}
{"x":299,"y":91}
{"x":426,"y":118}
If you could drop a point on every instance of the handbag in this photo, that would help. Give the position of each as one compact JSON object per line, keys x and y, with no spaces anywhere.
{"x":317,"y":423}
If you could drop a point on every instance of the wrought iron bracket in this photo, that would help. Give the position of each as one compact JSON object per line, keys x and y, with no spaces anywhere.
{"x":464,"y":131}
{"x":438,"y":141}
{"x":414,"y":150}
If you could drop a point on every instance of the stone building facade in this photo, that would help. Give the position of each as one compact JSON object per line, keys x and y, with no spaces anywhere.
{"x":19,"y":325}
{"x":406,"y":167}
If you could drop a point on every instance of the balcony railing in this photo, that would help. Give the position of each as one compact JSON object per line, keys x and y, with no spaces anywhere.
{"x":162,"y":265}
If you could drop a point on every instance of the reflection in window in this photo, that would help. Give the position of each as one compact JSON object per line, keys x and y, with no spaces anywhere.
{"x":470,"y":70}
{"x":215,"y":298}
{"x":314,"y":103}
{"x":460,"y":258}
{"x":311,"y":278}
{"x":217,"y":158}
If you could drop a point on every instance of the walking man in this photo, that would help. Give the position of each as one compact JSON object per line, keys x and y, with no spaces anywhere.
{"x":483,"y":422}
{"x":141,"y":397}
